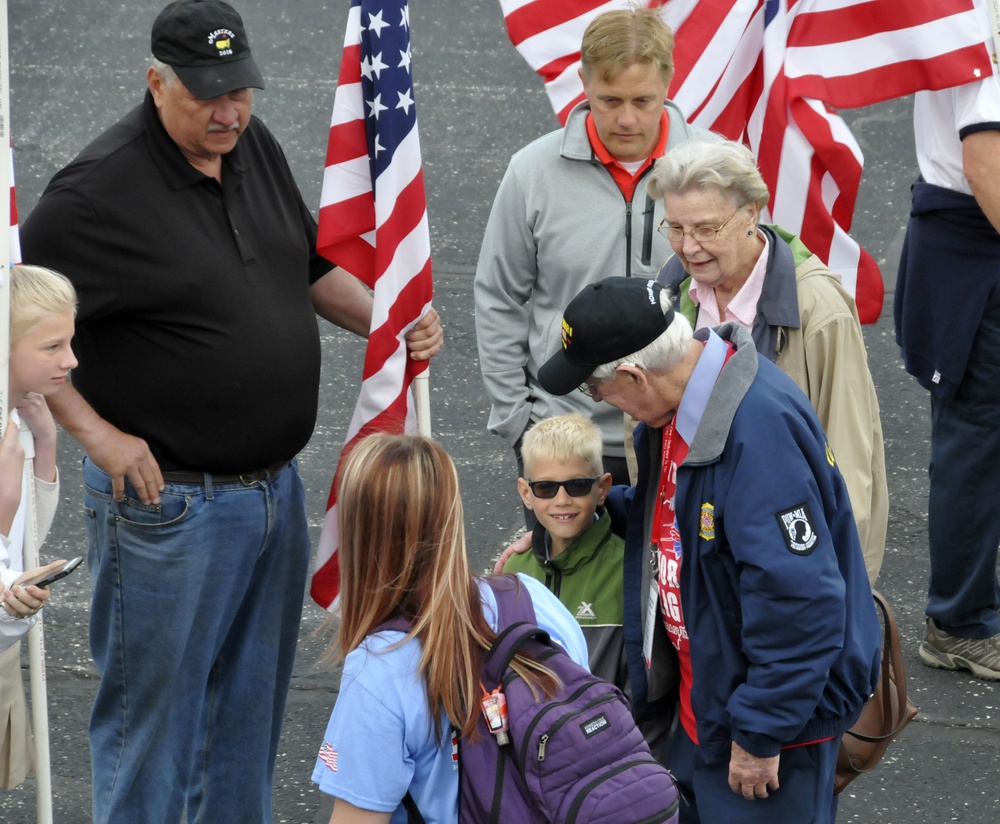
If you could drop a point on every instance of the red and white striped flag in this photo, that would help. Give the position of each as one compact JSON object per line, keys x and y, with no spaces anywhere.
{"x":767,"y":72}
{"x":373,"y":223}
{"x":15,"y":237}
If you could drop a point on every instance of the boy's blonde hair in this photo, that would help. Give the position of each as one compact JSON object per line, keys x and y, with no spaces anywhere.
{"x":562,"y":438}
{"x":36,"y":291}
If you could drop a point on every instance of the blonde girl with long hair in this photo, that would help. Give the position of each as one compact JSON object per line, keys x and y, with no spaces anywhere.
{"x":42,"y":311}
{"x":405,"y":697}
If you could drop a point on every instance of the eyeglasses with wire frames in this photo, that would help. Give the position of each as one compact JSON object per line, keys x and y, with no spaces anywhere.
{"x":589,"y":389}
{"x":699,"y":234}
{"x":575,"y":487}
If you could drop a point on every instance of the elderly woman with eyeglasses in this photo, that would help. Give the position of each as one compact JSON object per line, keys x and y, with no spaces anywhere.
{"x":728,"y":266}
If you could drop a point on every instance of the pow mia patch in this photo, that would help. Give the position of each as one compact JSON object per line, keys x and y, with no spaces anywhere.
{"x":797,"y":528}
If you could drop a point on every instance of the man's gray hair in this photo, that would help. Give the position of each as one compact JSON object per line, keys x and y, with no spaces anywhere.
{"x":696,"y":164}
{"x":663,"y":354}
{"x":166,"y":71}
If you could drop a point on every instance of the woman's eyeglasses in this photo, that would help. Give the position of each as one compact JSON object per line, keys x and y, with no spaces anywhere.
{"x":575,"y":487}
{"x":699,"y":234}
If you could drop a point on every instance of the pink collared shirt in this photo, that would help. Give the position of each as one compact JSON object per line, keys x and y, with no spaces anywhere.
{"x":743,"y":307}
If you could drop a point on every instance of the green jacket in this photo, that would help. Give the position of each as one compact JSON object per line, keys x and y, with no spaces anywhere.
{"x":587,"y":578}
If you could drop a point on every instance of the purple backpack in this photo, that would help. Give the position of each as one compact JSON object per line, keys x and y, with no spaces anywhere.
{"x":575,"y":757}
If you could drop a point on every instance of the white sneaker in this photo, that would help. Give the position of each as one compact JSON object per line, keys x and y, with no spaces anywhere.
{"x":981,"y":656}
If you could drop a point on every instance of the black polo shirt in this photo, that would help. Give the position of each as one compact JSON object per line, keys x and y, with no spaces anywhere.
{"x":195,"y":330}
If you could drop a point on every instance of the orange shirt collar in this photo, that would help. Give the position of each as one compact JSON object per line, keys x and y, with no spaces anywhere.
{"x":622,"y":177}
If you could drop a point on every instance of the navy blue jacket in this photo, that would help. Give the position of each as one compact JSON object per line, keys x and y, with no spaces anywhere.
{"x":785,"y":642}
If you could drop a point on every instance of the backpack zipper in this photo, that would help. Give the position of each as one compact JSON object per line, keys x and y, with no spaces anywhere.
{"x":523,"y":754}
{"x":604,"y":699}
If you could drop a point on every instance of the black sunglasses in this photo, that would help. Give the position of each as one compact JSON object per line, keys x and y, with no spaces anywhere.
{"x":575,"y":487}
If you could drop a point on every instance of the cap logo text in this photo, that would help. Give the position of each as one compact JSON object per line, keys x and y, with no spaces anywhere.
{"x":649,"y":292}
{"x":567,"y":334}
{"x":222,"y":39}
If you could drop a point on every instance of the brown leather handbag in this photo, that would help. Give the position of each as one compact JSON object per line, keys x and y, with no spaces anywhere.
{"x":884,"y":715}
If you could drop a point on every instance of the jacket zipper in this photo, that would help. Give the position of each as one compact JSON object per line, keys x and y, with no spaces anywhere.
{"x":647,"y":229}
{"x":553,"y":578}
{"x":628,"y":238}
{"x":647,"y":232}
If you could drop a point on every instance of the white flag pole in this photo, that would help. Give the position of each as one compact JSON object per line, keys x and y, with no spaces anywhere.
{"x":5,"y":165}
{"x":36,"y":638}
{"x":36,"y":661}
{"x":422,"y":398}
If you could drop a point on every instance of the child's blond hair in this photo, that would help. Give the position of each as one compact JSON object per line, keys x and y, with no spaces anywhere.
{"x":36,"y":291}
{"x":562,"y":438}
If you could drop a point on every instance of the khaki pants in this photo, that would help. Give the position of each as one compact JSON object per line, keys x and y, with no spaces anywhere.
{"x":17,"y":752}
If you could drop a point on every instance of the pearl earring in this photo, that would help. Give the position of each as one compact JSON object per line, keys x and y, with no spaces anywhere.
{"x":750,"y":233}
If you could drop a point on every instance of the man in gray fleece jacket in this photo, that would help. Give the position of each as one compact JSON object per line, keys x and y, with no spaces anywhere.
{"x":564,"y":217}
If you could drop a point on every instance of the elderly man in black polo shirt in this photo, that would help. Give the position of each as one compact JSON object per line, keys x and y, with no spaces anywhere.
{"x":193,"y":253}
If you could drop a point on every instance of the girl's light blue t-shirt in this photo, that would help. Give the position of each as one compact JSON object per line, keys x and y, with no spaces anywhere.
{"x":380,"y":741}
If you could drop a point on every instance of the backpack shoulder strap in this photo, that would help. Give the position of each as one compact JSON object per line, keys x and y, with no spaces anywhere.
{"x":513,"y":601}
{"x":508,"y":642}
{"x":398,"y":622}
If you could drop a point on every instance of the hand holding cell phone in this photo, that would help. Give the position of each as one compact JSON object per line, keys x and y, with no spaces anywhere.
{"x":30,"y":591}
{"x":50,"y":573}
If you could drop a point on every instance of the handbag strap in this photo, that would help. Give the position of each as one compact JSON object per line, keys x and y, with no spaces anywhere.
{"x":892,"y":662}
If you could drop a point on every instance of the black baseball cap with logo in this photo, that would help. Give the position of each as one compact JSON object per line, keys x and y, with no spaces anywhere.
{"x":608,"y":320}
{"x":206,"y":44}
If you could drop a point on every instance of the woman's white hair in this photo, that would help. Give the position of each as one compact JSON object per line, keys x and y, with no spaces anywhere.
{"x":696,"y":164}
{"x":663,"y":354}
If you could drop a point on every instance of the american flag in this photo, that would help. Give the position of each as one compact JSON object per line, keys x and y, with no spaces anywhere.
{"x":767,"y":73}
{"x":15,"y":237}
{"x":373,"y":223}
{"x":328,"y":755}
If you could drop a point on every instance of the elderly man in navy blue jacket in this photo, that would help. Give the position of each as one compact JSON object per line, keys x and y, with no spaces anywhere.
{"x":745,"y":585}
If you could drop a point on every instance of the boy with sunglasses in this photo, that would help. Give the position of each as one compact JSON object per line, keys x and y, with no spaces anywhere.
{"x":573,"y":550}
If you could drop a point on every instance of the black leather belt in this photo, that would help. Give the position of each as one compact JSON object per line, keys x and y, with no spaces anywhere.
{"x":186,"y":476}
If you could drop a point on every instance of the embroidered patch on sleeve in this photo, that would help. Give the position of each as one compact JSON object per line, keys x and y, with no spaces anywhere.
{"x":706,"y":522}
{"x":328,"y":755}
{"x":797,"y":528}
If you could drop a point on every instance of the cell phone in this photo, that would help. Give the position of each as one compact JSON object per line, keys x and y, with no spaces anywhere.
{"x":52,"y":575}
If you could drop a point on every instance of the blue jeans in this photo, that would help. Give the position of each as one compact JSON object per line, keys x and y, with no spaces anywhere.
{"x":193,"y":625}
{"x":963,"y":518}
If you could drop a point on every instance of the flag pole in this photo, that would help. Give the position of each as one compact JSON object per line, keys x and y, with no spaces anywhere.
{"x":5,"y":166}
{"x":422,"y":398}
{"x":36,"y":663}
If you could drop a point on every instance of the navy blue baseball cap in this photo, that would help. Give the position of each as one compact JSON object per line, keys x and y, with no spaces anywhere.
{"x":608,"y":320}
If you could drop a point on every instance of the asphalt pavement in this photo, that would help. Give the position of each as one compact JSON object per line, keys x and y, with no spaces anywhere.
{"x":75,"y":68}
